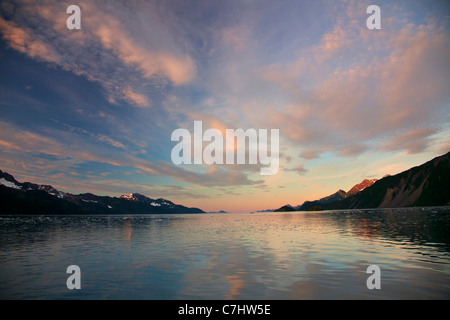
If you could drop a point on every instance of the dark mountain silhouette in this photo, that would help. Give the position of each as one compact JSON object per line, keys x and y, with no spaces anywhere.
{"x":318,"y":204}
{"x":285,"y":208}
{"x":30,"y":198}
{"x":337,"y":196}
{"x":424,"y":185}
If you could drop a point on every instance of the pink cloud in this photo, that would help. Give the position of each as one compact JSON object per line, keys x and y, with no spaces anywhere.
{"x":23,"y":40}
{"x":71,"y":148}
{"x":114,"y":35}
{"x":121,"y":55}
{"x":136,"y":98}
{"x":332,"y":42}
{"x":372,"y":98}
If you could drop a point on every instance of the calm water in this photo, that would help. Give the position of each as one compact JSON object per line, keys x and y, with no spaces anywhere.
{"x":321,"y":255}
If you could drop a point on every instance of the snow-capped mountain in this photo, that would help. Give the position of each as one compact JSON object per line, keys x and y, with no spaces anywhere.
{"x":9,"y":181}
{"x":137,"y":197}
{"x":30,"y":198}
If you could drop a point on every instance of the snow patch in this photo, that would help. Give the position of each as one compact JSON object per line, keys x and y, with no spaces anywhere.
{"x":9,"y":184}
{"x":57,"y":194}
{"x":93,"y":201}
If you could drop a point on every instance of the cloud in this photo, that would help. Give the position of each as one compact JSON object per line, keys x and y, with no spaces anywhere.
{"x":23,"y":40}
{"x":72,"y":146}
{"x":112,"y":142}
{"x":352,"y":150}
{"x":92,"y":136}
{"x":397,"y":84}
{"x":136,"y":98}
{"x":412,"y":141}
{"x":113,"y":48}
{"x":299,"y":168}
{"x":112,"y":34}
{"x":310,"y":154}
{"x":332,"y":42}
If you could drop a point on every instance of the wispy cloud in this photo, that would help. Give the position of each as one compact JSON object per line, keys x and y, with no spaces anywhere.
{"x":399,"y":83}
{"x":73,"y":146}
{"x":114,"y":48}
{"x":413,"y":141}
{"x":24,"y":40}
{"x":299,"y":168}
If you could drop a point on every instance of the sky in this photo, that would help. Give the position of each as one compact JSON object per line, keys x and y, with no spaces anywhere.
{"x":93,"y":109}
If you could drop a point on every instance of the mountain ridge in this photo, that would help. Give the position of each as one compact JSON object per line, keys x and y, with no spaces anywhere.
{"x":361,"y":186}
{"x":422,"y":185}
{"x":337,"y":196}
{"x":31,"y":198}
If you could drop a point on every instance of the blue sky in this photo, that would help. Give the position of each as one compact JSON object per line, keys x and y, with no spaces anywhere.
{"x":92,"y":110}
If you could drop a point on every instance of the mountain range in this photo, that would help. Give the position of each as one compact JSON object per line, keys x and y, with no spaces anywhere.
{"x":31,"y":198}
{"x":424,"y":185}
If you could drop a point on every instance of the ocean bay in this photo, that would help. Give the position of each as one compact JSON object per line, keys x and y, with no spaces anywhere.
{"x":294,"y":255}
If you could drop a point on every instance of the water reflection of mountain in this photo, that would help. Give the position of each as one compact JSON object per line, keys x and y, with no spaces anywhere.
{"x":22,"y":231}
{"x":416,"y":226}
